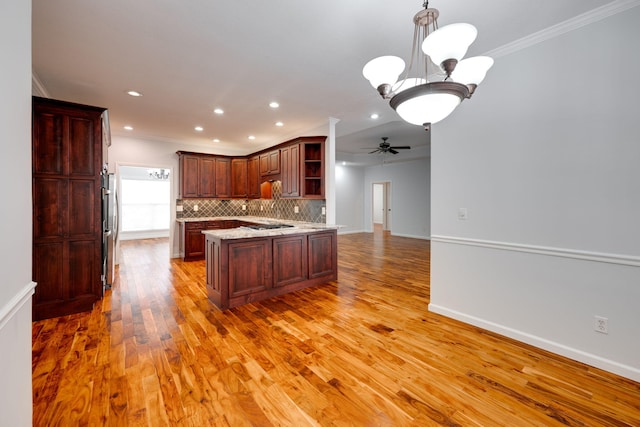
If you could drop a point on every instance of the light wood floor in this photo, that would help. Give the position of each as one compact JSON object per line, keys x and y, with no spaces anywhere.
{"x":362,"y":351}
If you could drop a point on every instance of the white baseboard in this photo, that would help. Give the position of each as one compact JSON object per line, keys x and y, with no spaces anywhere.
{"x":412,"y":236}
{"x":16,"y":303}
{"x":145,"y":234}
{"x":554,"y":347}
{"x":351,"y":231}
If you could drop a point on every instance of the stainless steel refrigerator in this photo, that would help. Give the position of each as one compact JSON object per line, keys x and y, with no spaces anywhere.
{"x":109,"y":228}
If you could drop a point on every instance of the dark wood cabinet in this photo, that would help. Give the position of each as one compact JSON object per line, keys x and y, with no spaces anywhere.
{"x":67,"y":142}
{"x":323,"y":254}
{"x":313,"y":168}
{"x":197,"y":175}
{"x":223,"y":177}
{"x":290,"y":170}
{"x":194,"y":241}
{"x":289,"y":260}
{"x":240,"y":271}
{"x":253,"y":177}
{"x":206,"y":173}
{"x":298,"y":164}
{"x":270,"y":163}
{"x":239,"y":178}
{"x":249,"y":266}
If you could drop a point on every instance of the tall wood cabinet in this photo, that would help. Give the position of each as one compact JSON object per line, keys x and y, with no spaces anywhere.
{"x":67,"y":142}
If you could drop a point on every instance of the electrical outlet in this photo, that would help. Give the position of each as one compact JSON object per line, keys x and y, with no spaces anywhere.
{"x":601,"y":324}
{"x":296,"y":209}
{"x":462,"y":214}
{"x":244,"y":207}
{"x":261,"y":208}
{"x":324,"y":210}
{"x":195,"y":208}
{"x":179,"y":208}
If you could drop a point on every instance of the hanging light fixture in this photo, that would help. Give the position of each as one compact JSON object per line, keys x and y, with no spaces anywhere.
{"x":161,"y":174}
{"x":415,"y":99}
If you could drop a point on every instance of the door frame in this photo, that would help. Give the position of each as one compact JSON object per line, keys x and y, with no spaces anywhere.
{"x":386,"y":204}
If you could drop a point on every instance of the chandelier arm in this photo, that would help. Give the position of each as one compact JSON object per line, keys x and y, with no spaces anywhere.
{"x":458,"y":89}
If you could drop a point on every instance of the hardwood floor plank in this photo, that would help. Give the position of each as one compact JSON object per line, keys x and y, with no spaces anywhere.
{"x":360,"y":351}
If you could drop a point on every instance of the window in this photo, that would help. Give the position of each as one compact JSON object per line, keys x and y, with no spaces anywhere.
{"x":145,"y":205}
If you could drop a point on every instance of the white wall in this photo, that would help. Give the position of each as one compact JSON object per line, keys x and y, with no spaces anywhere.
{"x":125,"y":151}
{"x":349,"y":199}
{"x":546,"y":157}
{"x":16,"y":287}
{"x":410,"y":196}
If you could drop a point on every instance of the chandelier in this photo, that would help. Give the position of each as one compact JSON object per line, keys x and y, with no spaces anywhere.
{"x":416,"y":99}
{"x":161,"y":174}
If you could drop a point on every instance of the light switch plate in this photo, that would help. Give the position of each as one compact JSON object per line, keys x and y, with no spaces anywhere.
{"x":179,"y":208}
{"x":462,"y":214}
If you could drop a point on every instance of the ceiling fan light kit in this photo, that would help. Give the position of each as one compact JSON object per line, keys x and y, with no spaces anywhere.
{"x":414,"y":98}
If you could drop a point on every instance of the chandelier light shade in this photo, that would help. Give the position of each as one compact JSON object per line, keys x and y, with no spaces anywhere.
{"x":449,"y":42}
{"x":383,"y":69}
{"x":416,"y":99}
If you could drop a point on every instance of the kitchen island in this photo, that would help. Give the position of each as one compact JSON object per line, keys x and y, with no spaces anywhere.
{"x":248,"y":264}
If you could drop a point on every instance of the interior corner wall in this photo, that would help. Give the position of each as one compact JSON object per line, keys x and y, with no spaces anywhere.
{"x":349,"y":199}
{"x":410,"y":200}
{"x":16,"y":286}
{"x":545,"y":159}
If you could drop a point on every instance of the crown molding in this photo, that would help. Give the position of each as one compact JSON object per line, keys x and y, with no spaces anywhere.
{"x":37,"y":87}
{"x":579,"y":21}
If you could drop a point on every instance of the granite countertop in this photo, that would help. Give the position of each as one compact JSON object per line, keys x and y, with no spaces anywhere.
{"x":245,"y":232}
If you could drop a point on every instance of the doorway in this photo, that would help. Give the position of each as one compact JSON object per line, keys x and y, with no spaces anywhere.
{"x":144,"y":208}
{"x":381,"y":213}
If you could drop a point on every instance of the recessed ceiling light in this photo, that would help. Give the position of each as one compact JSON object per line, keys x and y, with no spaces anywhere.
{"x":127,"y":127}
{"x":199,"y":128}
{"x":374,"y":116}
{"x":251,"y":137}
{"x":279,"y":124}
{"x":215,"y":140}
{"x":274,"y":104}
{"x":134,"y":93}
{"x":218,"y":111}
{"x":344,"y":163}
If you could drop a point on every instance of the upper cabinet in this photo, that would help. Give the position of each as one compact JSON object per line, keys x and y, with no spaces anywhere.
{"x":313,"y":168}
{"x":239,"y":178}
{"x":290,"y":170}
{"x":298,"y":164}
{"x":204,"y":175}
{"x":253,"y":177}
{"x":270,"y":163}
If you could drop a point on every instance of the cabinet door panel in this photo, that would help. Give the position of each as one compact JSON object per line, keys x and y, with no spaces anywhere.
{"x":249,"y":266}
{"x":239,"y":178}
{"x":47,"y":142}
{"x":189,"y":175}
{"x":253,"y":177}
{"x":48,"y":262}
{"x":322,"y":255}
{"x":223,"y":177}
{"x":49,"y":208}
{"x":82,"y":212}
{"x":82,"y":146}
{"x":84,"y":274}
{"x":289,"y":260}
{"x":207,"y":177}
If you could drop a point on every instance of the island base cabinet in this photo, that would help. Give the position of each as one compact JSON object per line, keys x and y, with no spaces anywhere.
{"x":241,"y":271}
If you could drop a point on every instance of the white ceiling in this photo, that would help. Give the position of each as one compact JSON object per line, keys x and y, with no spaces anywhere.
{"x":189,"y":57}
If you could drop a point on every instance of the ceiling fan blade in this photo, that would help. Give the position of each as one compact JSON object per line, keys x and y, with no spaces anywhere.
{"x":391,"y":150}
{"x":374,"y":151}
{"x":402,"y":147}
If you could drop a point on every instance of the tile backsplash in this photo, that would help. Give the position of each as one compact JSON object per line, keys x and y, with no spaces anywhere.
{"x":309,"y":210}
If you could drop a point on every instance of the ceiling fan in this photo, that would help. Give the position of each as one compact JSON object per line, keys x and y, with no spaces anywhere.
{"x":386,"y":147}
